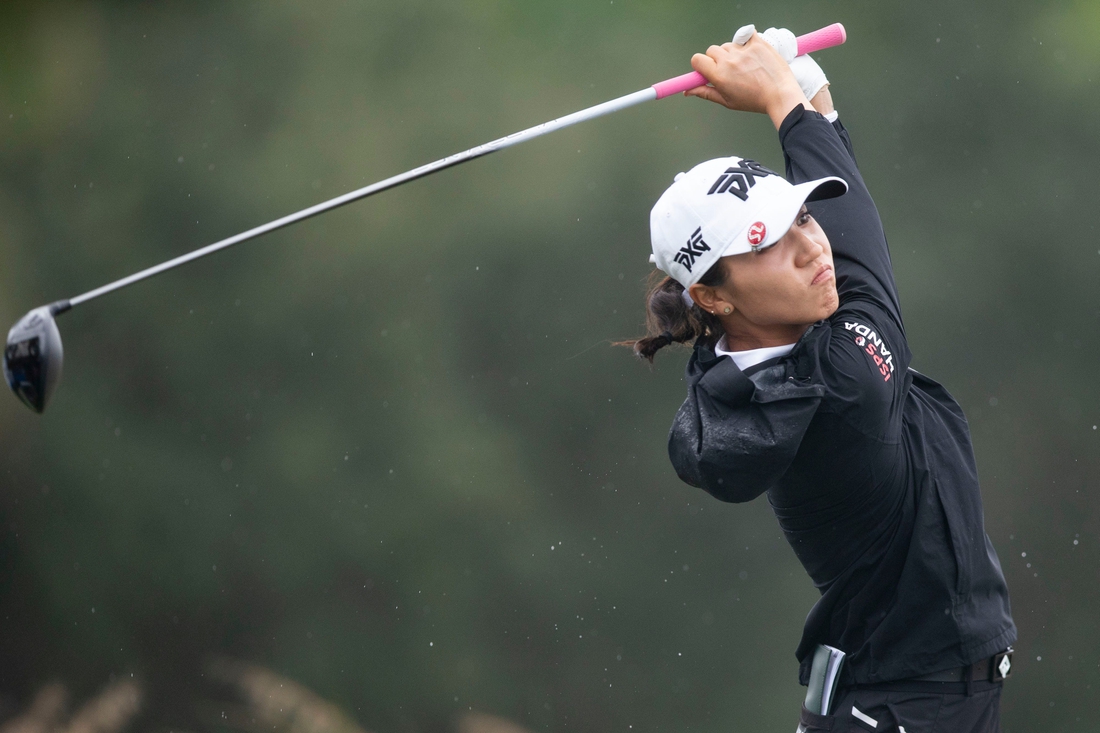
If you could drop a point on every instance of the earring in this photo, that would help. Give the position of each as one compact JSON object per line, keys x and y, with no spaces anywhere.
{"x":727,"y":310}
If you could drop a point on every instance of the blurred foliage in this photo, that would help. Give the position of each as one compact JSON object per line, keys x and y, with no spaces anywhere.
{"x":109,"y":711}
{"x":390,"y":453}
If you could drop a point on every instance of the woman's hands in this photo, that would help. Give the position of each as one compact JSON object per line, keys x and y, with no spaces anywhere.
{"x":751,"y":78}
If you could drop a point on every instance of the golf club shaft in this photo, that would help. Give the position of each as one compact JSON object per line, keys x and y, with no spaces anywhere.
{"x":824,"y":38}
{"x":599,"y":110}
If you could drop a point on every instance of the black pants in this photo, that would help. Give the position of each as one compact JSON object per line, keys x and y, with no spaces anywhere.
{"x":912,"y":707}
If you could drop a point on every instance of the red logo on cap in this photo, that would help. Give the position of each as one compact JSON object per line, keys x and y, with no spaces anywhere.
{"x":757,"y":233}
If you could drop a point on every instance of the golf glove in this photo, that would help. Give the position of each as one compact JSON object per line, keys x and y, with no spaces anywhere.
{"x":806,"y":71}
{"x":783,"y":41}
{"x":808,"y":75}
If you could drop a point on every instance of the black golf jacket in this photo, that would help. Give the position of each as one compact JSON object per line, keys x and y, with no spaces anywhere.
{"x":867,"y":464}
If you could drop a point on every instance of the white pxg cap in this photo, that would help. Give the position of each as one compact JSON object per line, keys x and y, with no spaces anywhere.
{"x":726,"y":206}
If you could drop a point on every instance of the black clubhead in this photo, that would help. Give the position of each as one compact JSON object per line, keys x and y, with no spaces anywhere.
{"x":33,"y":356}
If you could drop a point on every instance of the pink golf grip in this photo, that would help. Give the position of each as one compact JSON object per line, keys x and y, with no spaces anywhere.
{"x":678,"y":84}
{"x":827,"y":37}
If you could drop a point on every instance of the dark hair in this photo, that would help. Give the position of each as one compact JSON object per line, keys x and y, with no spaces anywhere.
{"x":668,"y":318}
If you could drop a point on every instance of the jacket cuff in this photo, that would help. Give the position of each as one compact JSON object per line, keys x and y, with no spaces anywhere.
{"x":795,"y":116}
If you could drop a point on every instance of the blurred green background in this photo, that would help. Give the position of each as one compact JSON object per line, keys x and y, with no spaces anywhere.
{"x":390,"y":452}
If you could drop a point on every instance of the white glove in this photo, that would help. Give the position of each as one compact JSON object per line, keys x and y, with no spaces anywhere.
{"x":806,"y":71}
{"x":783,"y":41}
{"x":743,"y":34}
{"x":808,"y":75}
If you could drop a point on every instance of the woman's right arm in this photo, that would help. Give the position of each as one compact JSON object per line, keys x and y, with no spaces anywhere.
{"x":754,"y":78}
{"x":814,"y":148}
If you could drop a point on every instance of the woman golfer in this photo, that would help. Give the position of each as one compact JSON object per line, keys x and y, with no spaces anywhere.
{"x":800,"y":387}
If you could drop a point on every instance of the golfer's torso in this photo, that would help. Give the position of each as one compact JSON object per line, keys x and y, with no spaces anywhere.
{"x":844,"y":496}
{"x":882,"y":507}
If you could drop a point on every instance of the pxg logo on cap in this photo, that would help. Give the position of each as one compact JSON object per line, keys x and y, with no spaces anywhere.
{"x":726,"y":206}
{"x":738,"y":179}
{"x":695,"y":246}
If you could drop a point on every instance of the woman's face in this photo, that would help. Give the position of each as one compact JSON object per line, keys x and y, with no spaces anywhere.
{"x":776,"y":293}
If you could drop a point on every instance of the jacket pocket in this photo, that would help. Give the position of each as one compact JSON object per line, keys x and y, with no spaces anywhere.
{"x":812,"y":722}
{"x":960,"y":538}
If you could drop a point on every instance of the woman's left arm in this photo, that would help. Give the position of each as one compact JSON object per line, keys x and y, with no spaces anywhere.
{"x":755,"y":78}
{"x":823,"y":101}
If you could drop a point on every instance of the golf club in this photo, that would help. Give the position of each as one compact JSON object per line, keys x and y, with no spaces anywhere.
{"x":33,"y":355}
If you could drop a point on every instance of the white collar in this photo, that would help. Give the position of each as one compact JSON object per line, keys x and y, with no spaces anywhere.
{"x":751,"y":357}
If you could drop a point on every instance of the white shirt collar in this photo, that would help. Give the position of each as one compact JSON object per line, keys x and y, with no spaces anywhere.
{"x":751,"y":357}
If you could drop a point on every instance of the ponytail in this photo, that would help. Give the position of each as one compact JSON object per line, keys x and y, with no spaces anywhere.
{"x":669,"y":318}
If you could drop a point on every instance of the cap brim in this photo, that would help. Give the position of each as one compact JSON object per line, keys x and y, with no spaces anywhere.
{"x":779,"y":215}
{"x":825,"y":188}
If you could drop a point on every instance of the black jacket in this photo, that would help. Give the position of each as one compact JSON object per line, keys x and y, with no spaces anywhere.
{"x":867,"y":464}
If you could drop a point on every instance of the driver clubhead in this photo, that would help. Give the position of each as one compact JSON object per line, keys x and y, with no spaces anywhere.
{"x":33,"y":357}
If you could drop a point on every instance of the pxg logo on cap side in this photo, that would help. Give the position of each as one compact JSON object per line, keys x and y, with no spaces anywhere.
{"x":740,"y":178}
{"x":695,"y":247}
